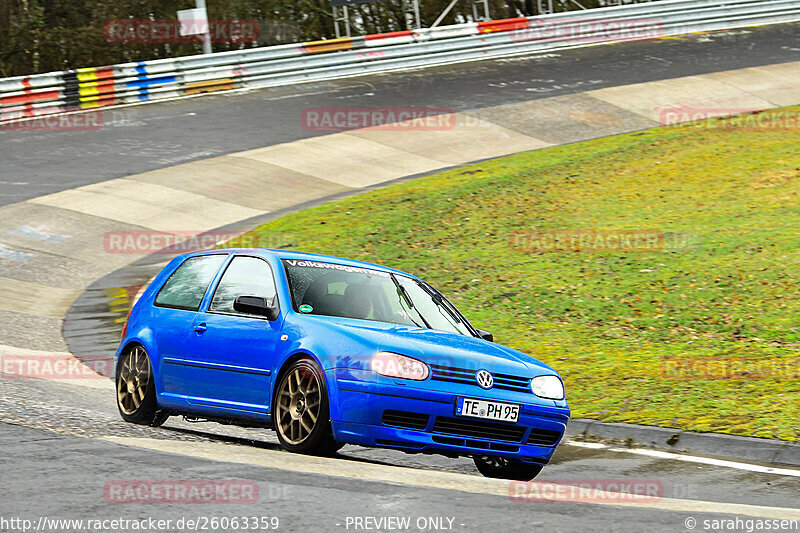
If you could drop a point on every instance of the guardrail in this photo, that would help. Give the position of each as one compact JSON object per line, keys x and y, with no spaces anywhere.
{"x":88,"y":88}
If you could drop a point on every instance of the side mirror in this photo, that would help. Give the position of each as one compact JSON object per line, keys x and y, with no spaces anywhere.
{"x":485,"y":335}
{"x":256,"y":305}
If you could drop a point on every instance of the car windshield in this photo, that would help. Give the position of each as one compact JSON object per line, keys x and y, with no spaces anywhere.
{"x":331,"y":289}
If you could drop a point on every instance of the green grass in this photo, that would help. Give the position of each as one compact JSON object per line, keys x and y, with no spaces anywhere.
{"x":609,"y":321}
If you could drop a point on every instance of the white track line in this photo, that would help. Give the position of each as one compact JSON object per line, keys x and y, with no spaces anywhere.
{"x":689,"y":458}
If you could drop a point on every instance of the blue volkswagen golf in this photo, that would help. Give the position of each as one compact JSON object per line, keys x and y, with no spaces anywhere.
{"x":328,"y":352}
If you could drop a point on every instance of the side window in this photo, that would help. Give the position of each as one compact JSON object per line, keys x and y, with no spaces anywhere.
{"x":245,"y":276}
{"x":186,"y":286}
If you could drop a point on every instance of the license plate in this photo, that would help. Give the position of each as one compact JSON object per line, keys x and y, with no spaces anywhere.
{"x":505,"y":412}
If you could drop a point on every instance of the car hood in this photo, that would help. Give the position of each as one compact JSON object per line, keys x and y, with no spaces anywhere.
{"x":436,"y":347}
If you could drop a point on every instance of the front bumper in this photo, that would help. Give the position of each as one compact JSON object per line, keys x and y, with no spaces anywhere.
{"x":360,"y":398}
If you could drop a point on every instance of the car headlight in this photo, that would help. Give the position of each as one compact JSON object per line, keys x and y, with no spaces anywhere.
{"x":399,"y":366}
{"x":548,"y":387}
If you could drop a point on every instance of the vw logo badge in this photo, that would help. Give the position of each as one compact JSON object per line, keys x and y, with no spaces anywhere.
{"x":484,"y":379}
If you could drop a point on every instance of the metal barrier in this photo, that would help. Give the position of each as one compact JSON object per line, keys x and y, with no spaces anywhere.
{"x":58,"y":92}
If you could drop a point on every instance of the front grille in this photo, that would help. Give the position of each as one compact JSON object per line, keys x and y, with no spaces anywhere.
{"x":467,"y":377}
{"x":405,"y":419}
{"x":452,"y":441}
{"x":544,"y":437}
{"x":478,"y":429}
{"x":483,"y":445}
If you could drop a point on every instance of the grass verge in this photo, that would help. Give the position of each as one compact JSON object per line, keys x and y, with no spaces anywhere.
{"x":699,"y":329}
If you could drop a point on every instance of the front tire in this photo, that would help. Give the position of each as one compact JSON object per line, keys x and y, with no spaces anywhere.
{"x":302,"y":412}
{"x":136,"y":390}
{"x":502,"y":468}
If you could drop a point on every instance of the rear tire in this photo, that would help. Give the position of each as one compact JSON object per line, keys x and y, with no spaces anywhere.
{"x":502,"y":468}
{"x":136,"y":390}
{"x":302,"y":412}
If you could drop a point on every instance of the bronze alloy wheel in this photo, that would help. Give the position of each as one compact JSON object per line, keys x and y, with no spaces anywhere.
{"x":136,"y":391}
{"x":301,"y":413}
{"x":299,"y":403}
{"x":133,"y":380}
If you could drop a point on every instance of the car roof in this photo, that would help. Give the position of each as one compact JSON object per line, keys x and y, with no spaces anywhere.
{"x":303,"y":256}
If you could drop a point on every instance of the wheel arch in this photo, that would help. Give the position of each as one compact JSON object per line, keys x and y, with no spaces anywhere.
{"x":148,"y":343}
{"x":125,"y":348}
{"x":287,"y":363}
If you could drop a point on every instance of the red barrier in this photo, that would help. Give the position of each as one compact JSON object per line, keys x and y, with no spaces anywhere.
{"x":492,"y":26}
{"x":390,"y":35}
{"x":30,"y":96}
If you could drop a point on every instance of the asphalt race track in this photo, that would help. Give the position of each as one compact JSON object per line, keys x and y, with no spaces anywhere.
{"x":154,"y":136}
{"x":310,"y":494}
{"x":63,"y":441}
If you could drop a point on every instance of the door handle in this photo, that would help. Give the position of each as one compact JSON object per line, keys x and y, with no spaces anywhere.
{"x":201,"y":328}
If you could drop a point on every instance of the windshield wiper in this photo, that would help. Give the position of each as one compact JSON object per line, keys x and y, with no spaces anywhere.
{"x":401,"y":291}
{"x":455,"y":318}
{"x":440,"y":303}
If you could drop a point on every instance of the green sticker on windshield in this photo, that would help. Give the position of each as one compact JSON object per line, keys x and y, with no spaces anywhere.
{"x":305,"y":308}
